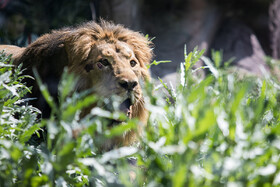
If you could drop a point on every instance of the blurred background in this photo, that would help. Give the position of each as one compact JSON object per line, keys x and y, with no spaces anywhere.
{"x":248,"y":30}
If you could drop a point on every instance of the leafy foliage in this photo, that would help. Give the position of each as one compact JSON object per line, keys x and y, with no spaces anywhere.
{"x":215,"y":131}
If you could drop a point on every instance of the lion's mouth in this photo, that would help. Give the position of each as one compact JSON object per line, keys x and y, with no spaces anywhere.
{"x":125,"y":107}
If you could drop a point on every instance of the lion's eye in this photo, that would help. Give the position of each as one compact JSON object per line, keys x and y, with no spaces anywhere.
{"x":104,"y":62}
{"x":133,"y":63}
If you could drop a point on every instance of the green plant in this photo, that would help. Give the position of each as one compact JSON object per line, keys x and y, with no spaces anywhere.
{"x":216,"y":131}
{"x":18,"y":121}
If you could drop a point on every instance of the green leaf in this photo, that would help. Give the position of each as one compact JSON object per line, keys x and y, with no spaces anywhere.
{"x":120,"y":129}
{"x":65,"y":156}
{"x":29,"y":132}
{"x":238,"y":98}
{"x":157,"y":63}
{"x":39,"y":180}
{"x":67,"y":84}
{"x":72,"y":108}
{"x":179,"y":177}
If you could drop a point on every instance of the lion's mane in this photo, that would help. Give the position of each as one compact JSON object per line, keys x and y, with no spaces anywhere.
{"x":51,"y":52}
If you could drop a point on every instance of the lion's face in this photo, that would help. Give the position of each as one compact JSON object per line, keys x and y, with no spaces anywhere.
{"x":110,"y":60}
{"x":107,"y":58}
{"x":112,"y":69}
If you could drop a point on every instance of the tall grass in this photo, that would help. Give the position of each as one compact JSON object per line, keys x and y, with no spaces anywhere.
{"x":214,"y":131}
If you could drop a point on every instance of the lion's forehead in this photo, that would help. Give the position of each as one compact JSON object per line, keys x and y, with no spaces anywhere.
{"x":116,"y":49}
{"x":124,"y":49}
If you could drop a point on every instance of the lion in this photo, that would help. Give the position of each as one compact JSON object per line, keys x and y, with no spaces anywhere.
{"x":107,"y":58}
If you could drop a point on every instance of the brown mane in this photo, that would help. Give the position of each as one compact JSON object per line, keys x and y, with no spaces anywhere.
{"x":76,"y":41}
{"x":70,"y":47}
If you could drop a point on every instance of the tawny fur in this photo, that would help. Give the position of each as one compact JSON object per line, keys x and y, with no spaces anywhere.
{"x":86,"y":44}
{"x":14,"y":50}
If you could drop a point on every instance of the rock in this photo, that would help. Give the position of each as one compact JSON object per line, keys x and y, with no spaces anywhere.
{"x":237,"y":40}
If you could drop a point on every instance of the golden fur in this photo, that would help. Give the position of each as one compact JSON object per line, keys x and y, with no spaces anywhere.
{"x":11,"y":49}
{"x":83,"y":49}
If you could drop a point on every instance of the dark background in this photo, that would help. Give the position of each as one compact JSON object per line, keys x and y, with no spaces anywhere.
{"x":248,"y":30}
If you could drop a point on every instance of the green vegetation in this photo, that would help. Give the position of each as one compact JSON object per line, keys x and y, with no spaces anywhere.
{"x":217,"y":131}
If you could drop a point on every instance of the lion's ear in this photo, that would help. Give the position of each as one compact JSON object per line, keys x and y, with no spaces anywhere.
{"x":78,"y":48}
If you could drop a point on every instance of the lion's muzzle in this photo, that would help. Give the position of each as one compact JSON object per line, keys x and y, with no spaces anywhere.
{"x":128,"y":85}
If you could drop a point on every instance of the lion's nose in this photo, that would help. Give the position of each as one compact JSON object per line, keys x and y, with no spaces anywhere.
{"x":128,"y":85}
